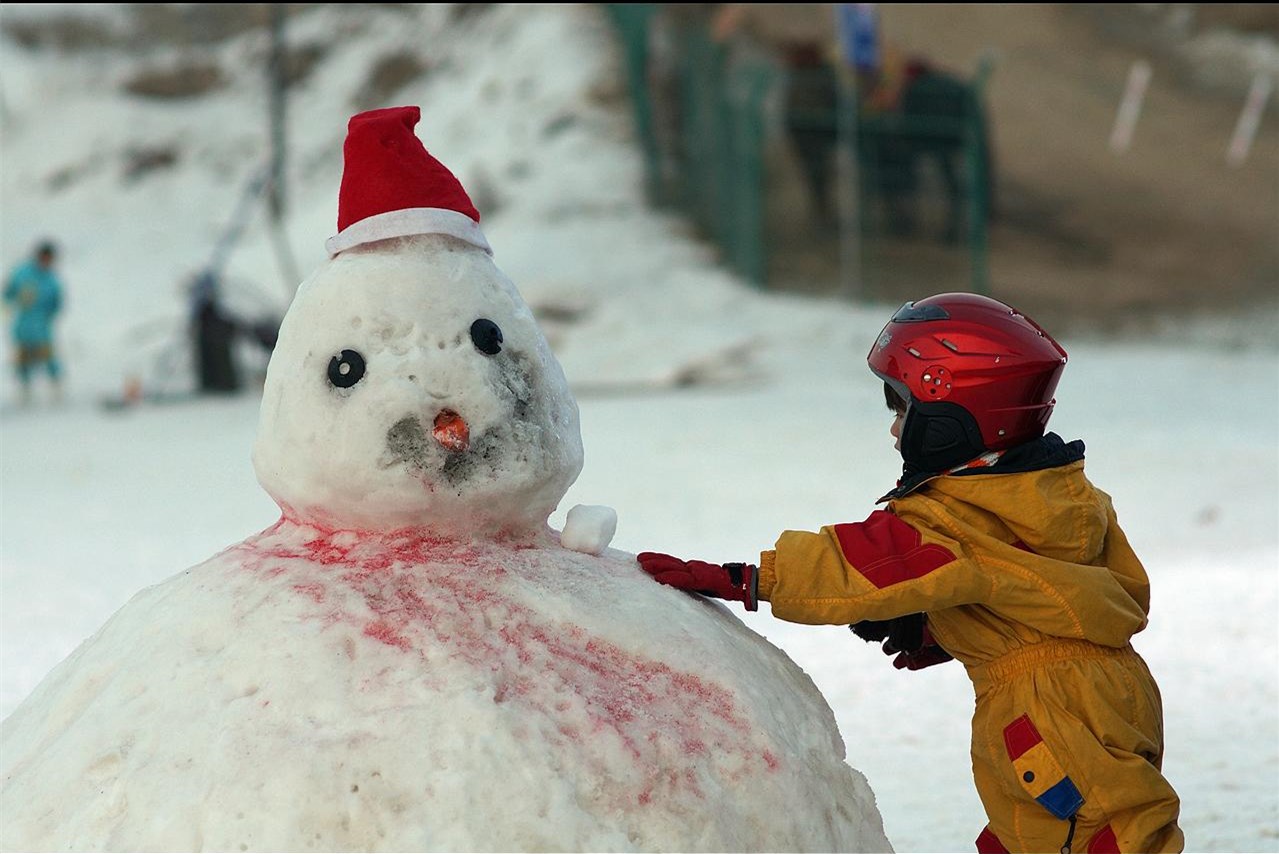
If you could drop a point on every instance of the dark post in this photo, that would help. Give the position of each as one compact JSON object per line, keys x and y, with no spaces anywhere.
{"x":632,"y":21}
{"x":978,"y":150}
{"x":277,"y":84}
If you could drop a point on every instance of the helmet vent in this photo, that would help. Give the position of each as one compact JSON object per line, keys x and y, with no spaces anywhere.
{"x":950,"y":345}
{"x":914,"y":352}
{"x":934,"y":381}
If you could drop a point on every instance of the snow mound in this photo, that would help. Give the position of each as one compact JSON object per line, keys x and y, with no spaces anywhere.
{"x":335,"y":691}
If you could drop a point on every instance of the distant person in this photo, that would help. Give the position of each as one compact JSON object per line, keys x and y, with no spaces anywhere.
{"x":997,"y":551}
{"x":803,"y":38}
{"x":912,"y":112}
{"x":666,"y":34}
{"x":34,"y":293}
{"x":214,"y":332}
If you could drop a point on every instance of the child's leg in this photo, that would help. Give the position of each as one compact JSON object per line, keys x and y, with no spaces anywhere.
{"x":23,"y":366}
{"x":1134,"y":832}
{"x":1077,"y":757}
{"x":53,"y":366}
{"x":1017,"y":825}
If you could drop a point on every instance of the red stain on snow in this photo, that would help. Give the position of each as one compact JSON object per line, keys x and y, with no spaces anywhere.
{"x":421,"y":593}
{"x":383,"y":632}
{"x":312,"y":590}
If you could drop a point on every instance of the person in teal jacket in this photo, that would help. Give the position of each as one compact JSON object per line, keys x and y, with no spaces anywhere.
{"x":34,"y":292}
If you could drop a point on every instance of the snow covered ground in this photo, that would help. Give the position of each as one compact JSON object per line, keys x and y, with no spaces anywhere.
{"x":782,"y":428}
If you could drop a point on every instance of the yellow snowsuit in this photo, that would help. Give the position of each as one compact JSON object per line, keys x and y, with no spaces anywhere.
{"x":1027,"y":580}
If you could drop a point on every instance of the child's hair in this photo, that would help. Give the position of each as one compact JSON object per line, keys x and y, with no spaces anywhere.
{"x":895,"y":401}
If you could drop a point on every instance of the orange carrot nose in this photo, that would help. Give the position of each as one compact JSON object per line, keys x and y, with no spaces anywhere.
{"x":451,"y":431}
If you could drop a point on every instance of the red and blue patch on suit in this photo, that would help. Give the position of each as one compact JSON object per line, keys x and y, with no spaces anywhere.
{"x":1040,"y":773}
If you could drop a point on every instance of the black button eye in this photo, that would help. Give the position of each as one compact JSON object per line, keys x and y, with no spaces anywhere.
{"x":487,"y":336}
{"x":346,"y":369}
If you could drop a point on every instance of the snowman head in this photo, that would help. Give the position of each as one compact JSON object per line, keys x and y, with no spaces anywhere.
{"x":411,"y":385}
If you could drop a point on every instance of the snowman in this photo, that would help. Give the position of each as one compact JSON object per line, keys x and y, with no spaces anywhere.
{"x":411,"y":658}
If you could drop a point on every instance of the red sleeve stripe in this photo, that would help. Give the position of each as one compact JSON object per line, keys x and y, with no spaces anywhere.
{"x":988,"y":843}
{"x":887,"y":551}
{"x":1020,"y":736}
{"x":1104,"y":842}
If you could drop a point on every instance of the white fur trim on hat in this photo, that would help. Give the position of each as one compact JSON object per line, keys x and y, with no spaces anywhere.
{"x":407,"y":222}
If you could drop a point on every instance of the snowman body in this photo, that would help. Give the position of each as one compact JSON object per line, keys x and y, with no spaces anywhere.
{"x":410,"y":658}
{"x":346,"y":691}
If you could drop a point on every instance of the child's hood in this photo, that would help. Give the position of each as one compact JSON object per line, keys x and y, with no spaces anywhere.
{"x":1053,"y":512}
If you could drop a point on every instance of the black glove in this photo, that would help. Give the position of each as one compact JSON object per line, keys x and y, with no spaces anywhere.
{"x":906,"y":637}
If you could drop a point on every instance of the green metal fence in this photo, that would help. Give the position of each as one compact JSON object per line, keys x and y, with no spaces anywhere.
{"x":703,"y":134}
{"x":940,"y":125}
{"x":701,"y":115}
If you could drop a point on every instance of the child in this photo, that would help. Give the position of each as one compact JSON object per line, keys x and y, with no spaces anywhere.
{"x":995,"y":550}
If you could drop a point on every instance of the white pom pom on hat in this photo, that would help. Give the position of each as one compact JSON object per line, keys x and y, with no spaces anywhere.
{"x":393,"y":187}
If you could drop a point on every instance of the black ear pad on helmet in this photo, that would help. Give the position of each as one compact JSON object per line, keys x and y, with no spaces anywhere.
{"x":939,"y":435}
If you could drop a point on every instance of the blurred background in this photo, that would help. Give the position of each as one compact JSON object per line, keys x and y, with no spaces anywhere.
{"x":1098,"y":162}
{"x":1109,"y":168}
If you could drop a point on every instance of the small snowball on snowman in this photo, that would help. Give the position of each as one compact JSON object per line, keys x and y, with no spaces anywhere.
{"x":411,"y":658}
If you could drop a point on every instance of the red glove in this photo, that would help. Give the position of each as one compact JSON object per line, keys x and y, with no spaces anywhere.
{"x":733,"y":581}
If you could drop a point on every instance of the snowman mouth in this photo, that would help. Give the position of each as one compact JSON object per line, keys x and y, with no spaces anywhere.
{"x":439,"y":447}
{"x":451,"y":431}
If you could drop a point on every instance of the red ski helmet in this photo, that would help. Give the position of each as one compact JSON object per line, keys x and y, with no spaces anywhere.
{"x":978,"y":376}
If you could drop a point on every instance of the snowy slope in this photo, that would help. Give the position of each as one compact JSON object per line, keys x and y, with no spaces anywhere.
{"x":523,"y":100}
{"x":540,"y":137}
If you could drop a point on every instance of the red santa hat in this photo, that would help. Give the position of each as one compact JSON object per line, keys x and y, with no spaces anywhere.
{"x":392,"y":187}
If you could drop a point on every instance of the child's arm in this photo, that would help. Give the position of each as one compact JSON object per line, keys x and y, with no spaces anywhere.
{"x":55,"y":298}
{"x":887,"y":567}
{"x":878,"y":569}
{"x":11,"y":289}
{"x":906,"y":638}
{"x":812,"y":578}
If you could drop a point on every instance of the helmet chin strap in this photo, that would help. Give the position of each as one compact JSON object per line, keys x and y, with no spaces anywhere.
{"x":938,"y":436}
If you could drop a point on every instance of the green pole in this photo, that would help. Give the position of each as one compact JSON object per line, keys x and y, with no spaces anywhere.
{"x":632,"y":22}
{"x":979,"y":196}
{"x":748,"y":89}
{"x":847,"y":128}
